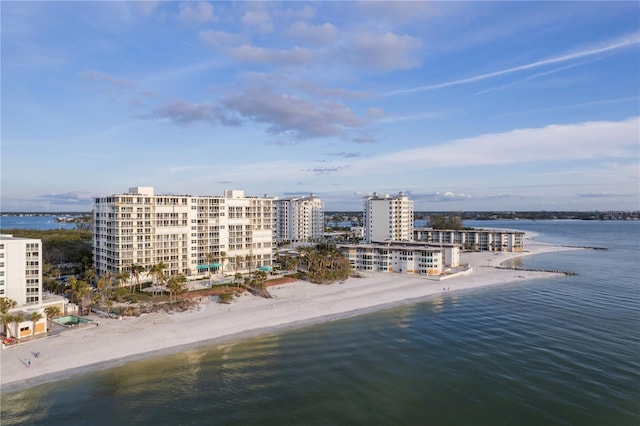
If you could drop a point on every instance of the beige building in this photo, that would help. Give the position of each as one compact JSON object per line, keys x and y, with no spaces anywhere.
{"x":388,"y":218}
{"x":191,"y":235}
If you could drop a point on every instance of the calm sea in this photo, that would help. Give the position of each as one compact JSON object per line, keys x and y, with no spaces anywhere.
{"x":33,"y":222}
{"x":559,"y":351}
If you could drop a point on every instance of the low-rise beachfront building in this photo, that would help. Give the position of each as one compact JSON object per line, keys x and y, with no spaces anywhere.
{"x":21,"y":282}
{"x":299,"y":219}
{"x":191,"y":235}
{"x":402,"y":257}
{"x":474,"y":239}
{"x":388,"y":218}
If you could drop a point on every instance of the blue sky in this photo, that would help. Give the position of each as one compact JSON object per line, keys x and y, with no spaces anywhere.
{"x":465,"y":106}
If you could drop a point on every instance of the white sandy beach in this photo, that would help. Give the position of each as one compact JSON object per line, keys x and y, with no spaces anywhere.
{"x":115,"y":342}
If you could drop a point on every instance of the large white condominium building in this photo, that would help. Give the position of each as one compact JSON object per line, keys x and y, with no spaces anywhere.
{"x":21,"y":269}
{"x":388,"y":218}
{"x":299,"y":219}
{"x":190,"y":235}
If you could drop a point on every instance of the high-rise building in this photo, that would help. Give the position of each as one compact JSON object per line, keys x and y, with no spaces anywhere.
{"x":191,"y":235}
{"x":388,"y":218}
{"x":21,"y":269}
{"x":21,"y":282}
{"x":299,"y":219}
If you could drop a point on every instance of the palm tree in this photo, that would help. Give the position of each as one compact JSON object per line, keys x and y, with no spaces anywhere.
{"x":34,"y":318}
{"x":52,"y":312}
{"x":79,"y":290}
{"x":8,"y":319}
{"x":223,"y":256}
{"x":249,"y":259}
{"x":260,"y":278}
{"x":157,"y":273}
{"x":136,"y":270}
{"x":123,"y":277}
{"x":102,"y":285}
{"x":175,"y":285}
{"x":210,"y":258}
{"x":238,"y":261}
{"x":89,"y":274}
{"x":6,"y":304}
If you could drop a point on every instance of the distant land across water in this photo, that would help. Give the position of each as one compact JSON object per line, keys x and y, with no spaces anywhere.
{"x":342,"y":216}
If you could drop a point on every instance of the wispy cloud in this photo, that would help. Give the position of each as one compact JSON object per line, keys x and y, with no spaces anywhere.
{"x":579,"y":105}
{"x":589,"y":140}
{"x":618,"y":44}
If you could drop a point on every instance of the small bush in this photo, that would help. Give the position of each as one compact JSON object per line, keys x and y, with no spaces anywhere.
{"x":225,"y":298}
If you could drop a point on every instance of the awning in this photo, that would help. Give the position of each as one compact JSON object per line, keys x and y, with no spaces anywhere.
{"x":209,"y":266}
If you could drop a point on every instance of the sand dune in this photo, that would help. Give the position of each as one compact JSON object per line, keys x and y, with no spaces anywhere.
{"x":114,"y":342}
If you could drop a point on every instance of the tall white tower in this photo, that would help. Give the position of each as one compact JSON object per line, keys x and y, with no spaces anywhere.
{"x":388,"y":218}
{"x":299,"y":219}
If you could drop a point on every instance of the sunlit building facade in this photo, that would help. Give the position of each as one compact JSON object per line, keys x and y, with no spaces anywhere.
{"x":388,"y":218}
{"x":191,"y":235}
{"x":299,"y":219}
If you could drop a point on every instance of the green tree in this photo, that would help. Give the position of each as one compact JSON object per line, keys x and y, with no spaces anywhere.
{"x":7,"y":319}
{"x":260,"y":278}
{"x":136,"y":271}
{"x":225,"y":298}
{"x":34,"y":318}
{"x":223,"y":256}
{"x":6,"y":304}
{"x":123,"y":277}
{"x":157,"y":273}
{"x":52,"y":312}
{"x":175,"y":285}
{"x":210,"y":258}
{"x":78,"y":290}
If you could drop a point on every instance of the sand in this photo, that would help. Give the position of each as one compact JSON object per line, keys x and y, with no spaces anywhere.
{"x":115,"y":342}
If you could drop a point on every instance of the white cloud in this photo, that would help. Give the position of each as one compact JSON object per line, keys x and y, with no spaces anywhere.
{"x":590,"y":140}
{"x":221,"y":39}
{"x":386,"y":52}
{"x":196,"y":12}
{"x":375,"y":113}
{"x":318,"y":35}
{"x":295,"y":116}
{"x":621,"y":43}
{"x":258,"y":20}
{"x":259,"y":55}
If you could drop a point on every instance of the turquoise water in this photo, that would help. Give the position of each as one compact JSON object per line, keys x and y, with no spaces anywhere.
{"x":558,"y":351}
{"x":71,"y":320}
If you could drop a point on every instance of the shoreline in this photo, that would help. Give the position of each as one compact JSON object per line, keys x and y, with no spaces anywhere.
{"x":295,"y":305}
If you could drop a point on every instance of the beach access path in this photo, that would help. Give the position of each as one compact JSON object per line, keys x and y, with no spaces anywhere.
{"x":115,"y":342}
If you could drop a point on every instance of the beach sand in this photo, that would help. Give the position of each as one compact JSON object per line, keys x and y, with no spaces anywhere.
{"x":115,"y":342}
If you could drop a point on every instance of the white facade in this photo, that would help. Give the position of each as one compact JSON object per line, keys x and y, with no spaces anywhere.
{"x":299,"y":219}
{"x":21,"y":269}
{"x":407,"y":258}
{"x":21,"y":281}
{"x":388,"y":218}
{"x":191,"y":235}
{"x":474,"y":239}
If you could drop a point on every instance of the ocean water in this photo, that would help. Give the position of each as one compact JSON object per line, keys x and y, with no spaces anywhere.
{"x":558,"y":351}
{"x":33,"y":222}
